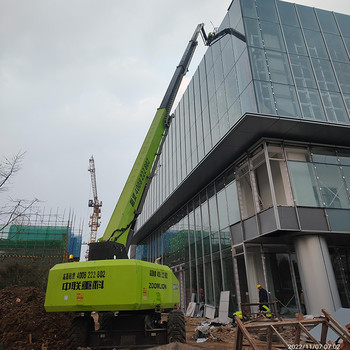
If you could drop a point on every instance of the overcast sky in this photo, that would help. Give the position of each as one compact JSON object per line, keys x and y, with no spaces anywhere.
{"x":85,"y":77}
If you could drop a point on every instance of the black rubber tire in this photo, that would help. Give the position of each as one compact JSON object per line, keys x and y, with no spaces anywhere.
{"x":107,"y":321}
{"x":176,"y":327}
{"x":78,"y":335}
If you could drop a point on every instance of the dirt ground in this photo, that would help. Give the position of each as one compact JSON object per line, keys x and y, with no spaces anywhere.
{"x":25,"y":325}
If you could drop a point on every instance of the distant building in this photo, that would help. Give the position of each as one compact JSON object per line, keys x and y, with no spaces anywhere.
{"x":50,"y":241}
{"x":253,"y":181}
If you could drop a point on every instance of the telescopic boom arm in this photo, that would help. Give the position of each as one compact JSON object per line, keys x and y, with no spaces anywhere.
{"x":132,"y":197}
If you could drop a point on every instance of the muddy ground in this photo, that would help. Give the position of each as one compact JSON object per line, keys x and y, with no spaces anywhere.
{"x":25,"y":325}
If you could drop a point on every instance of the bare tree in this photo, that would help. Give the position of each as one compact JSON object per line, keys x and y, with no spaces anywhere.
{"x":15,"y":209}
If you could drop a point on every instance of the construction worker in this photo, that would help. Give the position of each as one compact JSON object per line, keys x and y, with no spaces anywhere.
{"x":263,"y":297}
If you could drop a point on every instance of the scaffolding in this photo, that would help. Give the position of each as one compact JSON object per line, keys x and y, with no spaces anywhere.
{"x":41,"y":236}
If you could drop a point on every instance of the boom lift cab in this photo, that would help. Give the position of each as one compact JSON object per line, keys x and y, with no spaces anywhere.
{"x":128,"y":294}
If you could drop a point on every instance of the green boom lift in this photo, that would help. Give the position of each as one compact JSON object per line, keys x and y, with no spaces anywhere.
{"x":128,"y":294}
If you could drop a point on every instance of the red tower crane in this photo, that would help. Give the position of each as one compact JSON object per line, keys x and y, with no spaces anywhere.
{"x":94,"y":203}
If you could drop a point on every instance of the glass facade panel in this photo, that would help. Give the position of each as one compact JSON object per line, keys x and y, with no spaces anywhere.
{"x":267,"y":10}
{"x":253,"y":33}
{"x":286,"y":100}
{"x":304,"y":184}
{"x":287,"y":13}
{"x":258,"y":63}
{"x":332,"y":186}
{"x":344,"y":23}
{"x":244,"y":76}
{"x":279,"y":67}
{"x":295,"y":41}
{"x":247,"y":99}
{"x":302,"y":71}
{"x":325,"y":75}
{"x":324,"y":155}
{"x":249,"y":8}
{"x":336,"y":47}
{"x":311,"y":104}
{"x":335,"y":107}
{"x":315,"y":44}
{"x":307,"y":17}
{"x":327,"y":21}
{"x":342,"y":71}
{"x":265,"y":97}
{"x":272,"y":35}
{"x":231,"y":87}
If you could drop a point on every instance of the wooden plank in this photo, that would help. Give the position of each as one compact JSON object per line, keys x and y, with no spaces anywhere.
{"x":315,"y":321}
{"x":324,"y":332}
{"x":297,"y":335}
{"x":246,"y":334}
{"x":345,"y":334}
{"x":269,"y":338}
{"x":280,"y":337}
{"x":309,"y":334}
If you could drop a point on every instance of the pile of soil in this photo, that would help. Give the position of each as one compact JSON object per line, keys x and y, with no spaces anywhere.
{"x":24,"y":323}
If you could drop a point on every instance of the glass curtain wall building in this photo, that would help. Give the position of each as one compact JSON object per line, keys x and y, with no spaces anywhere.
{"x":253,"y":181}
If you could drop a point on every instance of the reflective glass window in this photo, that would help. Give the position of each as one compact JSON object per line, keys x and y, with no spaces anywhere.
{"x":211,"y":83}
{"x":238,"y":45}
{"x":235,"y":13}
{"x":272,"y":36}
{"x":204,"y":92}
{"x":344,"y":23}
{"x":332,"y":186}
{"x":243,"y":71}
{"x":324,"y":155}
{"x":347,"y":43}
{"x":231,"y":86}
{"x":286,"y":100}
{"x":232,"y":203}
{"x":246,"y":193}
{"x":344,"y":157}
{"x":228,"y":59}
{"x":209,"y":59}
{"x":266,"y":10}
{"x":302,"y":71}
{"x":265,"y":98}
{"x":259,"y":64}
{"x":343,"y":74}
{"x":327,"y":21}
{"x":279,"y":67}
{"x":347,"y":101}
{"x":294,"y":39}
{"x":336,"y":47}
{"x":287,"y":13}
{"x":304,"y":184}
{"x":222,"y":207}
{"x":335,"y":107}
{"x":315,"y":44}
{"x":248,"y":103}
{"x":253,"y":34}
{"x":221,"y":100}
{"x":307,"y":17}
{"x":218,"y":72}
{"x":213,"y":111}
{"x":234,"y":113}
{"x":325,"y":75}
{"x":248,"y":8}
{"x":214,"y":224}
{"x":311,"y":104}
